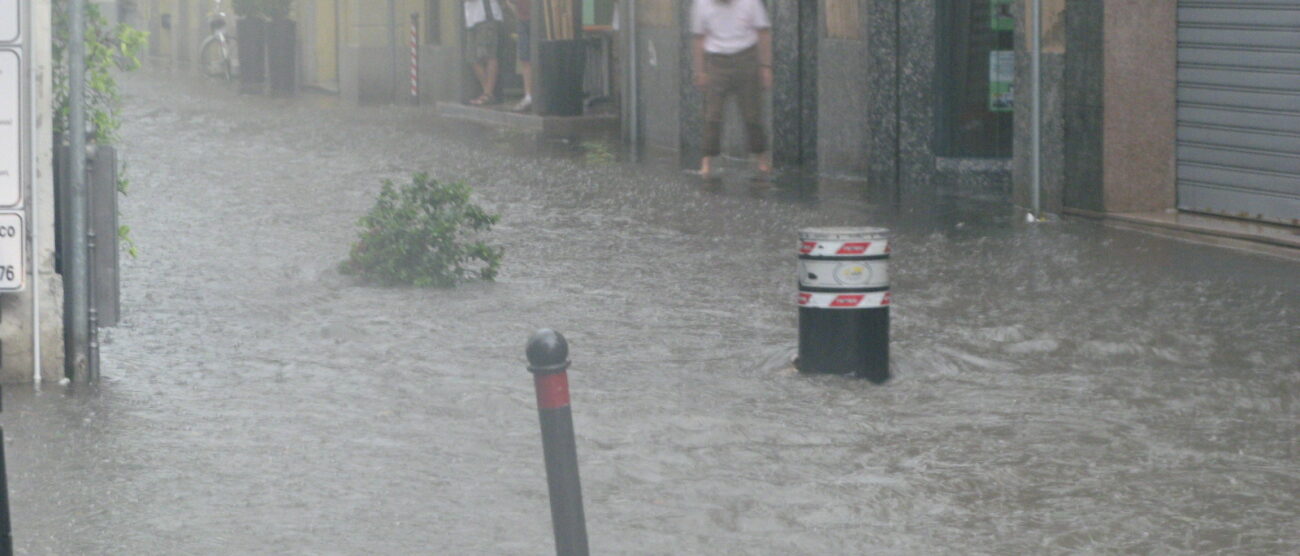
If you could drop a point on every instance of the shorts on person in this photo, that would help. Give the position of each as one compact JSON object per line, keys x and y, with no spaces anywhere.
{"x":483,"y":40}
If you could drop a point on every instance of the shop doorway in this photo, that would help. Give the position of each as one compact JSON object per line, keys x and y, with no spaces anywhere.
{"x":976,"y":78}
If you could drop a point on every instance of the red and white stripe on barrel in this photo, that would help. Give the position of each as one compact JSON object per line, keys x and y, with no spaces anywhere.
{"x":844,"y":300}
{"x":823,"y":248}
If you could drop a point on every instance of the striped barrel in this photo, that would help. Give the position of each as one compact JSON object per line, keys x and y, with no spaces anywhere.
{"x":844,"y":301}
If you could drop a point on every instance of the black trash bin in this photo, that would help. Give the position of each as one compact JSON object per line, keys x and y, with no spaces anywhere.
{"x":282,"y":57}
{"x":562,"y":64}
{"x":252,"y":34}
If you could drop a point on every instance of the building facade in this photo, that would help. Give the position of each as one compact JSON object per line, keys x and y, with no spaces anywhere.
{"x":1147,"y":105}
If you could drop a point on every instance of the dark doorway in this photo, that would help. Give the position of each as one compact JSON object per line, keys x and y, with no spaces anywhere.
{"x":976,"y":78}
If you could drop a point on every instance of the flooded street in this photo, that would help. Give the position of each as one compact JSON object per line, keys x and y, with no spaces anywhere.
{"x":1058,"y":388}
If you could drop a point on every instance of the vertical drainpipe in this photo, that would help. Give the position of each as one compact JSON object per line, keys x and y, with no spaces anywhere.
{"x":77,"y":283}
{"x":634,"y":77}
{"x":33,"y":214}
{"x":1036,"y":124}
{"x":898,"y":101}
{"x":338,"y":44}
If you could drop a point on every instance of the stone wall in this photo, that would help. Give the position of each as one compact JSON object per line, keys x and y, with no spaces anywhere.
{"x":1120,"y":117}
{"x":1083,"y":106}
{"x":1140,"y":81}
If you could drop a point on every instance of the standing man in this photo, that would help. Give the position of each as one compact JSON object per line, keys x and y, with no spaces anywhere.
{"x":732,"y":55}
{"x":523,"y":10}
{"x":483,"y":22}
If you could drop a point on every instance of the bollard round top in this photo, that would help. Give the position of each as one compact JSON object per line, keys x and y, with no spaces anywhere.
{"x":548,"y":352}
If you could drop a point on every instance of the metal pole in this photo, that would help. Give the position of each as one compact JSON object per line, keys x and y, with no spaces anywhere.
{"x":634,"y":75}
{"x":548,"y":360}
{"x":34,"y":212}
{"x":1036,"y":131}
{"x":6,"y":531}
{"x":92,"y":274}
{"x":78,"y":283}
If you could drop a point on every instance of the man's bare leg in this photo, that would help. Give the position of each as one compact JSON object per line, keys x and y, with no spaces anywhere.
{"x":481,"y":75}
{"x":490,"y":81}
{"x":527,"y":69}
{"x":706,"y":166}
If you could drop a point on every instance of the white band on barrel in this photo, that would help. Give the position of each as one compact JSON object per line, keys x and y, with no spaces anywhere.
{"x":843,"y":274}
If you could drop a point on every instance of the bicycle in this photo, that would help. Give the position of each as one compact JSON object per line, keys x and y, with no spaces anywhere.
{"x":218,"y":55}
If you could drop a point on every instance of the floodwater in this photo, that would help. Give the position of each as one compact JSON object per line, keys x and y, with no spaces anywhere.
{"x":1060,"y":388}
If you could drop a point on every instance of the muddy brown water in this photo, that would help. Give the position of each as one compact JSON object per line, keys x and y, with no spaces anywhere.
{"x":1060,"y":388}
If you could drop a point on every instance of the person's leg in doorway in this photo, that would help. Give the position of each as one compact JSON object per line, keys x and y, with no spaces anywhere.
{"x":484,"y":51}
{"x":718,"y":85}
{"x":489,"y":81}
{"x":524,"y":59}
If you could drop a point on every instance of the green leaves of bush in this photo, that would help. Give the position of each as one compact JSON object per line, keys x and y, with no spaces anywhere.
{"x":424,"y":233}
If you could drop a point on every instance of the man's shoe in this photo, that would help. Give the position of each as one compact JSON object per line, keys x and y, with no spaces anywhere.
{"x":524,"y":104}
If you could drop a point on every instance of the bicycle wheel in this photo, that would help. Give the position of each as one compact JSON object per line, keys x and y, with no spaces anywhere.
{"x":212,"y":61}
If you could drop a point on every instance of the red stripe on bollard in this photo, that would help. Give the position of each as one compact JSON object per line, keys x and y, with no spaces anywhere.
{"x":552,"y":390}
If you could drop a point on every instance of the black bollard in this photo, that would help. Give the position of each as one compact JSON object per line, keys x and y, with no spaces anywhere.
{"x":548,"y":360}
{"x":7,"y":542}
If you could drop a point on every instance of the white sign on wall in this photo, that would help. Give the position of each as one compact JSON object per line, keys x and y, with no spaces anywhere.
{"x":10,"y":128}
{"x":12,"y":251}
{"x":9,"y":20}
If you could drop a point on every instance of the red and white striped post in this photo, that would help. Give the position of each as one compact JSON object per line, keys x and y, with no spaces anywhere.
{"x":415,"y":58}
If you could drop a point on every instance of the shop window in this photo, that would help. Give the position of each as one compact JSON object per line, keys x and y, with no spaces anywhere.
{"x":597,"y":13}
{"x":976,"y":78}
{"x":844,"y":19}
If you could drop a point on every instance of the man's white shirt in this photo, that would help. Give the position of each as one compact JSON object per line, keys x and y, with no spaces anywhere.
{"x":728,"y":27}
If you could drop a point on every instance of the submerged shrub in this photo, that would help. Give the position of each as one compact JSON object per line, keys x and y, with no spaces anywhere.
{"x":424,"y":233}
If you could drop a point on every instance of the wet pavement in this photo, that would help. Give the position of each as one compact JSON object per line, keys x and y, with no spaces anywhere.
{"x":1059,"y":388}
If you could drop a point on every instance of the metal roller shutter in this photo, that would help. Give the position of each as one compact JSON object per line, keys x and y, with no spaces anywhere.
{"x":1239,"y":108}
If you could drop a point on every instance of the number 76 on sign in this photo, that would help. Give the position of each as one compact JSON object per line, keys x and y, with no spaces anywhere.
{"x":13,"y":254}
